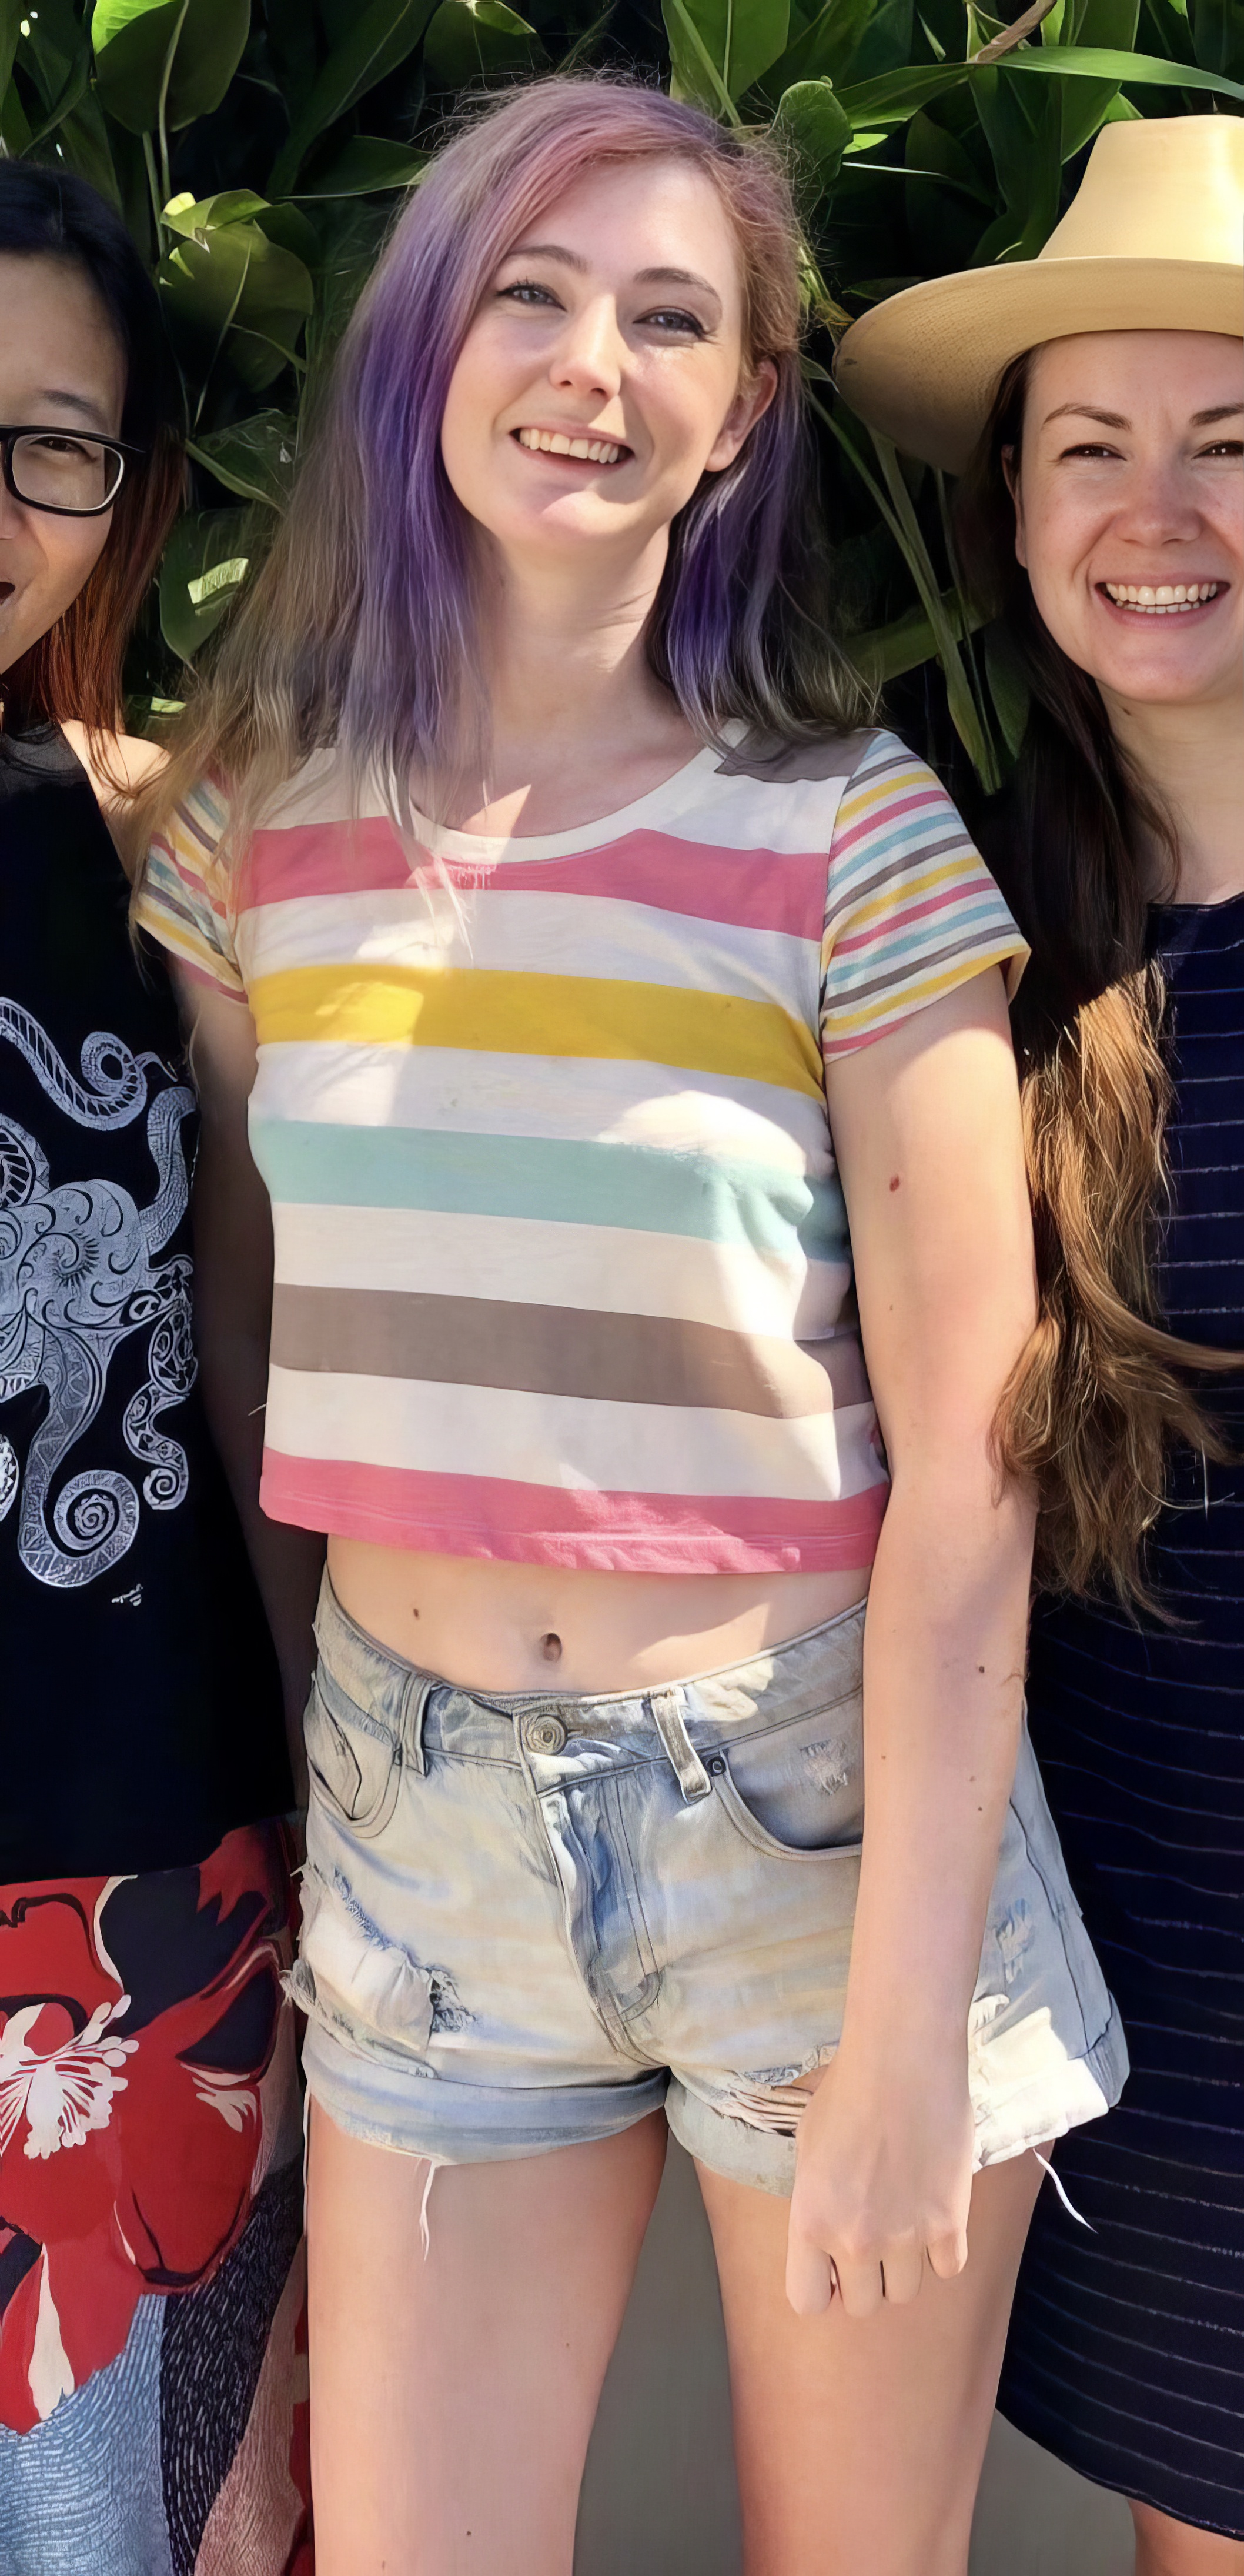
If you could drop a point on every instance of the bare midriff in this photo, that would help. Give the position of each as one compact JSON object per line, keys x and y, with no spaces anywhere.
{"x":496,"y":1626}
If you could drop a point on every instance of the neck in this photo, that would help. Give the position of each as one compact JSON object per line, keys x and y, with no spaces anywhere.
{"x":566,"y":662}
{"x":1192,"y":757}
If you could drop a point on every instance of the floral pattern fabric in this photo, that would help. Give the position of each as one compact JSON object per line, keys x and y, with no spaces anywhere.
{"x":150,"y":2146}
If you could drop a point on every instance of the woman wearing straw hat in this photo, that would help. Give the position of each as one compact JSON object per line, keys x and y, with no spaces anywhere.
{"x":1095,"y":399}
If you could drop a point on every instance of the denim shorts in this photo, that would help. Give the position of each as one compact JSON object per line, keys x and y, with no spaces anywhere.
{"x":529,"y":1920}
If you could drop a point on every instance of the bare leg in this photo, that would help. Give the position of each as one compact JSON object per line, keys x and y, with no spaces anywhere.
{"x":859,"y":2441}
{"x":453,"y":2393}
{"x":1168,"y":2548}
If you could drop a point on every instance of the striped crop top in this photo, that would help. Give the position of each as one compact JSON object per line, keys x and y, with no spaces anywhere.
{"x":562,"y":1268}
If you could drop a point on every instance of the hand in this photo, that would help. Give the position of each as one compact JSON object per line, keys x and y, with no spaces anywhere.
{"x":883,"y":2178}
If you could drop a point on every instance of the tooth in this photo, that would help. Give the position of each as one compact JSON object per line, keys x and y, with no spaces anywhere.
{"x":578,"y":447}
{"x":559,"y":444}
{"x":1181,"y":594}
{"x":1144,"y":595}
{"x":1166,"y":596}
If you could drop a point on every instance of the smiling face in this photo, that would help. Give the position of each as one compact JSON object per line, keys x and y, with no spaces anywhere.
{"x":60,"y":365}
{"x":1130,"y":509}
{"x":604,"y":372}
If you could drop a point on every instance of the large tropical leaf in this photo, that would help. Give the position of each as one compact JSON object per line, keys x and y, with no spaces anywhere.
{"x":381,"y":35}
{"x":205,"y":565}
{"x":226,"y":280}
{"x":811,"y":117}
{"x":720,"y":48}
{"x":475,"y":40}
{"x":254,"y":458}
{"x":166,"y":61}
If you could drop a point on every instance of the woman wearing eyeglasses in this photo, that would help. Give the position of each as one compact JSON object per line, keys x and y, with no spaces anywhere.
{"x":150,"y":2180}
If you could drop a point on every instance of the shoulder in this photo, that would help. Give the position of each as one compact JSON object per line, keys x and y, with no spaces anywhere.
{"x":117,"y":764}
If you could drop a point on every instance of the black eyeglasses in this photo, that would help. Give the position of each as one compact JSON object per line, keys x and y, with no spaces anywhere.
{"x":64,"y":470}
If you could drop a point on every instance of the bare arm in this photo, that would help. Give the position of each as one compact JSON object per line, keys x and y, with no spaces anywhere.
{"x":926,"y":1126}
{"x":233,"y":1314}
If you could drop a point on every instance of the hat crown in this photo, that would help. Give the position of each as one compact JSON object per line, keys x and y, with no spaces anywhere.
{"x":1158,"y":188}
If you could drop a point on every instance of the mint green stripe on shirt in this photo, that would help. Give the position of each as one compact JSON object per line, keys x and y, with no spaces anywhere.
{"x":641,"y":1187}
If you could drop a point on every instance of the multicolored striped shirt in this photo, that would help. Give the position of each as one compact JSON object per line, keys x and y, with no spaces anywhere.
{"x":562,"y":1266}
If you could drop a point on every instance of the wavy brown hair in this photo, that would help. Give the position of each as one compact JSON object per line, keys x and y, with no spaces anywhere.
{"x":75,"y":670}
{"x":1102,"y":1391}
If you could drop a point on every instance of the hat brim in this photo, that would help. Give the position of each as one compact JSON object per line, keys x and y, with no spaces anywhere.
{"x":923,"y":367}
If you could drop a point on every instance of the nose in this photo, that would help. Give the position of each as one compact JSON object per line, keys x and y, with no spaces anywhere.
{"x":1160,"y":506}
{"x":591,"y":351}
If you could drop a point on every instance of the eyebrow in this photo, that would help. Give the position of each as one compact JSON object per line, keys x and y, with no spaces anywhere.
{"x":82,"y":403}
{"x":1118,"y":419}
{"x":643,"y":276}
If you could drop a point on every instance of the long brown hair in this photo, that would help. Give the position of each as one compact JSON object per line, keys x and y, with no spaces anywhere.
{"x":1102,"y":1391}
{"x":75,"y":670}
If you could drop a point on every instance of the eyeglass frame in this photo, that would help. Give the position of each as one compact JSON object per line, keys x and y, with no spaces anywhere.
{"x":10,"y":432}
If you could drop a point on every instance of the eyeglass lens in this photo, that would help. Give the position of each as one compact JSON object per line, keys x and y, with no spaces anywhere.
{"x":65,"y":473}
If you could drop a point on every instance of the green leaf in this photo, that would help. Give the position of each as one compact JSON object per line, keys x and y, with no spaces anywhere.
{"x":885,"y":652}
{"x":1022,"y":125}
{"x":818,"y":127}
{"x":365,"y":164}
{"x":11,"y":14}
{"x":383,"y":34}
{"x":823,"y":48}
{"x":1218,"y":35}
{"x":1008,"y":688}
{"x":1095,"y":62}
{"x":1092,"y":22}
{"x":891,"y":100}
{"x":181,"y":54}
{"x":228,"y":281}
{"x":740,"y":39}
{"x":472,"y":40}
{"x":205,"y":563}
{"x":254,"y":458}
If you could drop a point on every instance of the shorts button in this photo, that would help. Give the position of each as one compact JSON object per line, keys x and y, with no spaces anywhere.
{"x":717,"y":1765}
{"x":545,"y":1735}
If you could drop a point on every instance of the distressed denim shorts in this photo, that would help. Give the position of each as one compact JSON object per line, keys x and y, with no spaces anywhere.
{"x":531,"y":1920}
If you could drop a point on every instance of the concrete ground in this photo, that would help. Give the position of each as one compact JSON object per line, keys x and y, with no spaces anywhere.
{"x":659,"y":2496}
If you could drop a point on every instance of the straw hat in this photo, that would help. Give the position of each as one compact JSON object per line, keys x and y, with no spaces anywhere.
{"x":1153,"y":241}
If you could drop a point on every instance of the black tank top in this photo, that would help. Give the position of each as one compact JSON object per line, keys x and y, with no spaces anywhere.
{"x":140,"y":1713}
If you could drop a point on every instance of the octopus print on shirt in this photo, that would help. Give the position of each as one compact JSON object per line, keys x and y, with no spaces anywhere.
{"x":118,"y":1539}
{"x":80,"y":1273}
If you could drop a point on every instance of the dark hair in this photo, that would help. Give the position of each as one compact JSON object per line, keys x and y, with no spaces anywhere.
{"x":1099,"y":1394}
{"x":75,"y":669}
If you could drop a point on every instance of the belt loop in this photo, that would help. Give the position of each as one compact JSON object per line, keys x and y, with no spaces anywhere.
{"x":418,"y":1693}
{"x":693,"y":1779}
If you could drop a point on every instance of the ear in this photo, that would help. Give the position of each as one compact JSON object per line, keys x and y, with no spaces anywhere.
{"x":750,"y":402}
{"x":1010,"y":468}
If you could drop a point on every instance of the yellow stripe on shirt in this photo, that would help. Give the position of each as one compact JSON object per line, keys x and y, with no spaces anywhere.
{"x":547,"y":1015}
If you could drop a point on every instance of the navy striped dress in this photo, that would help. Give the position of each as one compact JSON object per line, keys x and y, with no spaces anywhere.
{"x":1126,"y":2354}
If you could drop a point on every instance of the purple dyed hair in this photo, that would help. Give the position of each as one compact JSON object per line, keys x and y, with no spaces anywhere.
{"x":361,"y":630}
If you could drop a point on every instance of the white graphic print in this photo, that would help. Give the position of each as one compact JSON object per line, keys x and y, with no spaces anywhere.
{"x":65,"y":2092}
{"x":78,"y":1276}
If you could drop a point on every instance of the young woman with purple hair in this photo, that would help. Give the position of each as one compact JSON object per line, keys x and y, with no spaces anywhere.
{"x":581,"y":963}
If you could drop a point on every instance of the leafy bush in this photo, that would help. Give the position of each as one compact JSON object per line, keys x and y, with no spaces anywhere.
{"x":258,"y":148}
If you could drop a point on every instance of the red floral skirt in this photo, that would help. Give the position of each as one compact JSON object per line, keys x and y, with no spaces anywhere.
{"x":152,"y":2310}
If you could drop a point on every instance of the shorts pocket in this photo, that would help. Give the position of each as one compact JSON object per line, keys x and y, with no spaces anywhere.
{"x":354,"y":1760}
{"x":797,"y":1789}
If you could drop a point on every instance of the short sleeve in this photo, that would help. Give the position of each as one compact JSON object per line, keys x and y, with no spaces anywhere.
{"x":911,"y":909}
{"x":182,"y":901}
